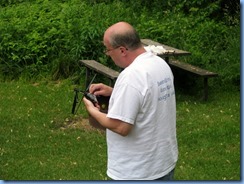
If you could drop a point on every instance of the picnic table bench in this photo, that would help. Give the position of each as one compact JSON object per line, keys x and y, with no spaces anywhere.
{"x":92,"y":65}
{"x":205,"y":74}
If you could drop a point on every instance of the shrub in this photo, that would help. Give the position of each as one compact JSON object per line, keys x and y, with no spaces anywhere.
{"x":50,"y":30}
{"x":43,"y":37}
{"x":213,"y":45}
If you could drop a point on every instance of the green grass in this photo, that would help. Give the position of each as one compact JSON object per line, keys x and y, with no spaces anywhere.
{"x":209,"y":137}
{"x":34,"y":146}
{"x":37,"y":142}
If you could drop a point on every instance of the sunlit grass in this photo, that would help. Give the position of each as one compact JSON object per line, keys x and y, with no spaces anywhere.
{"x":38,"y":143}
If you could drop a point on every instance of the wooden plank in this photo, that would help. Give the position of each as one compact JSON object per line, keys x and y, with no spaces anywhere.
{"x":100,"y":68}
{"x":193,"y":69}
{"x":177,"y":52}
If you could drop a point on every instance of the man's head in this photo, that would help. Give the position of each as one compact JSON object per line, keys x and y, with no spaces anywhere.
{"x":122,"y":43}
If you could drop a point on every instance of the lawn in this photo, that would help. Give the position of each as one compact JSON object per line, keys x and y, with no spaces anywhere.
{"x":42,"y":140}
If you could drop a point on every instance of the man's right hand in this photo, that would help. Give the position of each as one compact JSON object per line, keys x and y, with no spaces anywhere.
{"x":100,"y":89}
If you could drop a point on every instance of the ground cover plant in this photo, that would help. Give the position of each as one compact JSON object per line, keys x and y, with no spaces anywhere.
{"x":41,"y":140}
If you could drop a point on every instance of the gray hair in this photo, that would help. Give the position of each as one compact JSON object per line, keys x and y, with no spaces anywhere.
{"x":129,"y":39}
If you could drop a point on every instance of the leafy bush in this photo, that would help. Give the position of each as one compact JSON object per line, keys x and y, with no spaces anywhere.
{"x":213,"y":45}
{"x":40,"y":38}
{"x":51,"y":30}
{"x":30,"y":38}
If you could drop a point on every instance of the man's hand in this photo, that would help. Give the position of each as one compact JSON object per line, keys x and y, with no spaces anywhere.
{"x":115,"y":125}
{"x":100,"y":89}
{"x":89,"y":105}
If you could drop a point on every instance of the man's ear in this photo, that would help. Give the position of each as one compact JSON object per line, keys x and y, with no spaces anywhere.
{"x":123,"y":50}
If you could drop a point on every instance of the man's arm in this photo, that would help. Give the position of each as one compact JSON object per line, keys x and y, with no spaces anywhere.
{"x":115,"y":125}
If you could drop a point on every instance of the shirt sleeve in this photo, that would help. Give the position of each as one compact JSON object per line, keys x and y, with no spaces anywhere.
{"x":125,"y":103}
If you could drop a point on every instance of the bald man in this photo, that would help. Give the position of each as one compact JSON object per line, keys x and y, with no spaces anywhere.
{"x":141,"y":119}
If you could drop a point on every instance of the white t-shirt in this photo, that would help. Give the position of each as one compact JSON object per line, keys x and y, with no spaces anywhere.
{"x":144,"y":96}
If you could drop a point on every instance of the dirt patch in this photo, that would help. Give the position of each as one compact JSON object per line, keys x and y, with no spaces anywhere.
{"x":79,"y":123}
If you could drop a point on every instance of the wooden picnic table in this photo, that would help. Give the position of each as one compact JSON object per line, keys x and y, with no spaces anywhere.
{"x":92,"y":65}
{"x":171,"y":51}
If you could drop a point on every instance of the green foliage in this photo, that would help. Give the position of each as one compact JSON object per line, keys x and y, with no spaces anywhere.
{"x":10,"y":2}
{"x":228,"y":61}
{"x":42,"y":38}
{"x":30,"y":38}
{"x":213,"y":45}
{"x":50,"y":32}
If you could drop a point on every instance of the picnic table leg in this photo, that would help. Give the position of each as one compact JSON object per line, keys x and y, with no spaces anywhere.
{"x":111,"y":82}
{"x":88,"y":76}
{"x":167,"y":59}
{"x":205,"y":97}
